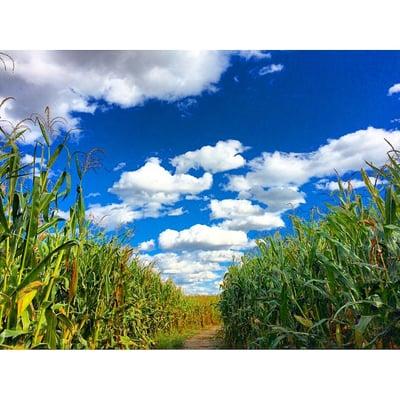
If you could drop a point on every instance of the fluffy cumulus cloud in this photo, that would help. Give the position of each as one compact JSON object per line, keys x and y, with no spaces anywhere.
{"x":81,"y":81}
{"x":152,"y":186}
{"x":394,"y":89}
{"x":196,"y":258}
{"x":232,"y":208}
{"x":224,"y":156}
{"x":202,"y":237}
{"x":77,"y":80}
{"x":243,"y":215}
{"x":148,"y":192}
{"x":288,"y":171}
{"x":195,"y":271}
{"x":219,"y":256}
{"x":147,"y":245}
{"x":263,"y":222}
{"x":111,"y":216}
{"x":279,"y":198}
{"x":184,"y":268}
{"x":28,"y":159}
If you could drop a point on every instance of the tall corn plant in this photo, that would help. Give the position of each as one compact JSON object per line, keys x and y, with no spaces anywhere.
{"x":333,"y":283}
{"x":32,"y":246}
{"x":63,"y":284}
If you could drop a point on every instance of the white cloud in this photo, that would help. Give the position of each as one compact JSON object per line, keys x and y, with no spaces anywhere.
{"x":332,"y":186}
{"x":257,"y":54}
{"x":202,"y":237}
{"x":196,"y":271}
{"x":77,"y":81}
{"x":195,"y":197}
{"x":184,"y":268}
{"x":202,"y":288}
{"x":111,"y":216}
{"x":151,"y":186}
{"x":394,"y":89}
{"x":244,"y":215}
{"x":192,"y":197}
{"x":93,"y":194}
{"x":62,"y":214}
{"x":119,"y":166}
{"x":28,"y":159}
{"x":264,"y":222}
{"x":34,"y":165}
{"x":67,"y":80}
{"x":147,"y":245}
{"x":280,"y":198}
{"x":219,"y":256}
{"x":232,"y":208}
{"x":186,"y":105}
{"x":270,"y":69}
{"x":147,"y":192}
{"x":176,"y":212}
{"x":224,"y":156}
{"x":345,"y":154}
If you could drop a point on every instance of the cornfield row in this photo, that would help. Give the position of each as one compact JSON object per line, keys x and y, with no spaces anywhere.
{"x":62,"y":284}
{"x":333,"y":283}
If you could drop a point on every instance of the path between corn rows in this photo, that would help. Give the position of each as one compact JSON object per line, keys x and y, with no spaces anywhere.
{"x":206,"y":339}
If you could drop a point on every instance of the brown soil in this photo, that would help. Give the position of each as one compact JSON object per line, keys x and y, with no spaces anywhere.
{"x":205,"y":340}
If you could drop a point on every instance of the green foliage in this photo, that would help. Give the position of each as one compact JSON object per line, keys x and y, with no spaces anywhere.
{"x":64,"y":285}
{"x":333,"y":283}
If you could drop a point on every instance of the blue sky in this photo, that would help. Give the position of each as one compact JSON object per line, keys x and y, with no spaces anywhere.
{"x":206,"y":151}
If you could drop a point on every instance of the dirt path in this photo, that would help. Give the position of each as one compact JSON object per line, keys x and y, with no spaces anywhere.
{"x":204,"y":340}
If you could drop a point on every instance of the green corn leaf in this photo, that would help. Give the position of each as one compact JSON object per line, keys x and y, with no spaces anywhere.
{"x":390,"y":207}
{"x":55,"y":155}
{"x":11,"y":333}
{"x":3,"y":219}
{"x":360,"y":329}
{"x":44,"y":133}
{"x":51,"y":334}
{"x":35,"y":272}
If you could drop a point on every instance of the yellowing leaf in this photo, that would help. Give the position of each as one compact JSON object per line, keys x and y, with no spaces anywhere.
{"x":29,"y":287}
{"x":25,"y":320}
{"x":26,"y":295}
{"x":304,"y":321}
{"x":24,"y":301}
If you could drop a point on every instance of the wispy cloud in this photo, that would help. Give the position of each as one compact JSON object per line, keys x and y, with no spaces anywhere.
{"x":176,"y":212}
{"x":186,"y":106}
{"x":119,"y":166}
{"x":254,"y":54}
{"x":93,"y":194}
{"x":270,"y":69}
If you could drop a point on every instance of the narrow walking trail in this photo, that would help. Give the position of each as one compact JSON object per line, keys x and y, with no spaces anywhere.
{"x":204,"y":340}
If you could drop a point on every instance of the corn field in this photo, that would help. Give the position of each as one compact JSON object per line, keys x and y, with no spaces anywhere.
{"x":332,"y":283}
{"x":64,"y":285}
